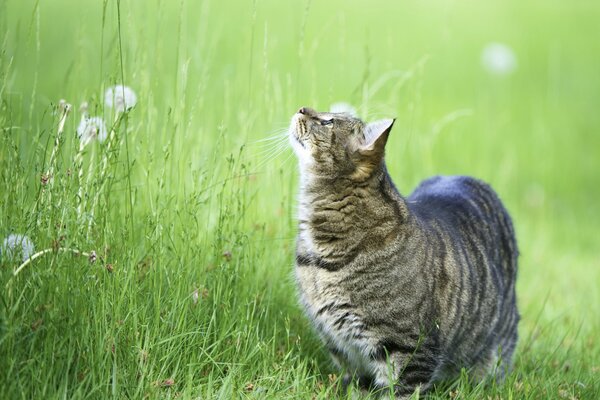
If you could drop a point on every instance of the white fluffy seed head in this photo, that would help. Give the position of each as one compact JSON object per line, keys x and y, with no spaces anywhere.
{"x":498,"y":59}
{"x":342,"y":107}
{"x":119,"y":97}
{"x":17,"y":246}
{"x":91,"y":128}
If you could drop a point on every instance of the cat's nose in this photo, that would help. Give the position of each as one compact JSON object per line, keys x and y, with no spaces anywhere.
{"x":309,"y":112}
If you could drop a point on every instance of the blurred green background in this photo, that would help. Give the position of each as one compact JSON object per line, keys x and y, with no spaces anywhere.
{"x":189,"y":178}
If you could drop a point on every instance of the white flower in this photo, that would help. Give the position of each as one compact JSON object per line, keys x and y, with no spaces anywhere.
{"x":498,"y":59}
{"x":342,"y":107}
{"x":91,"y":128}
{"x":17,"y":246}
{"x":120,"y":97}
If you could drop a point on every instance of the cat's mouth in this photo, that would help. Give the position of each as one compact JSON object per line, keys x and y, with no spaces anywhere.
{"x":298,"y":130}
{"x":296,"y":140}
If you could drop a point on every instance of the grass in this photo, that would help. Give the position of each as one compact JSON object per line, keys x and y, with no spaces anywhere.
{"x":192,"y":219}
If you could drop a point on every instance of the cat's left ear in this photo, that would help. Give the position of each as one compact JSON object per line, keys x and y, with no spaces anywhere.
{"x":376,"y":136}
{"x":369,"y":154}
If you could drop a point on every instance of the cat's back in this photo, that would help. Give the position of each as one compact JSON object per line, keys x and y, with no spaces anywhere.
{"x":450,"y":197}
{"x":467,"y":208}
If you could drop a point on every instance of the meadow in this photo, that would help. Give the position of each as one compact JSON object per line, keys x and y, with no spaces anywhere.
{"x":170,"y":244}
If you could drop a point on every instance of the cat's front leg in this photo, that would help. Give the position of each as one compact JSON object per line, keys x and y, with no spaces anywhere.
{"x":349,"y":376}
{"x":405,"y":373}
{"x":361,"y":385}
{"x":337,"y":357}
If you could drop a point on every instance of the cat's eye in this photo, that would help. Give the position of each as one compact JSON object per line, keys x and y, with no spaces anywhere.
{"x":327,"y":121}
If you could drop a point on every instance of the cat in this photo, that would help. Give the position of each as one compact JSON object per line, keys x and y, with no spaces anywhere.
{"x":402,"y":291}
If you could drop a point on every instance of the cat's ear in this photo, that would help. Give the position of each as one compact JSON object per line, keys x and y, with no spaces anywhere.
{"x":367,"y":157}
{"x":376,"y":136}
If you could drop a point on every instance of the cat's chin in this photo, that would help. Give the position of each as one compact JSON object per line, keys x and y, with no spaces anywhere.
{"x":296,"y":141}
{"x":300,"y":149}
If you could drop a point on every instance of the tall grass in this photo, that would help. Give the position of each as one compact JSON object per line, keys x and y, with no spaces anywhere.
{"x":191,"y":212}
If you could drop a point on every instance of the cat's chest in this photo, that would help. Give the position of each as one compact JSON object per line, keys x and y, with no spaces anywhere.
{"x":337,"y":319}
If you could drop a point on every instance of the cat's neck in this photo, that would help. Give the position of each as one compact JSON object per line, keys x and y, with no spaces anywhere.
{"x":339,"y":218}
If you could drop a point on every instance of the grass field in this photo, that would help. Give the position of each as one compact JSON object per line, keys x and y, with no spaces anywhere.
{"x":192,"y":217}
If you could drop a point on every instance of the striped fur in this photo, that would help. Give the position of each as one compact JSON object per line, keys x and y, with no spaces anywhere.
{"x":402,"y":291}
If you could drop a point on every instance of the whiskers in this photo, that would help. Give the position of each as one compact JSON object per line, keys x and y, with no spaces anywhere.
{"x":268,"y":149}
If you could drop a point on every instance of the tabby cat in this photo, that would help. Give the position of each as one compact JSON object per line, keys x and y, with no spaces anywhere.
{"x":402,"y":291}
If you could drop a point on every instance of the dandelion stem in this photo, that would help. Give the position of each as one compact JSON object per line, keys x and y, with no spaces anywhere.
{"x":46,"y":251}
{"x":90,"y":174}
{"x":46,"y":196}
{"x":79,"y":166}
{"x":125,"y":134}
{"x":64,"y":108}
{"x":104,"y":168}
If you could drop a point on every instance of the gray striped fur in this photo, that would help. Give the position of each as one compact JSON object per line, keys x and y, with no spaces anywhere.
{"x":402,"y":291}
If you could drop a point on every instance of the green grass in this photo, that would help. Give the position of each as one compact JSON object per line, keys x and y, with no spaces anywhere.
{"x":190,"y":202}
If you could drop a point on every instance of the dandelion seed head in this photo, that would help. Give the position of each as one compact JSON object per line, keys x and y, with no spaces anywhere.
{"x":91,"y":128}
{"x":195,"y":296}
{"x":17,"y":246}
{"x":63,"y":105}
{"x":61,"y":108}
{"x":498,"y":59}
{"x":119,"y":97}
{"x":342,"y":107}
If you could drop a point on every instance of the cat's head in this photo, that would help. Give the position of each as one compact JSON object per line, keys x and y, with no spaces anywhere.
{"x":338,"y":145}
